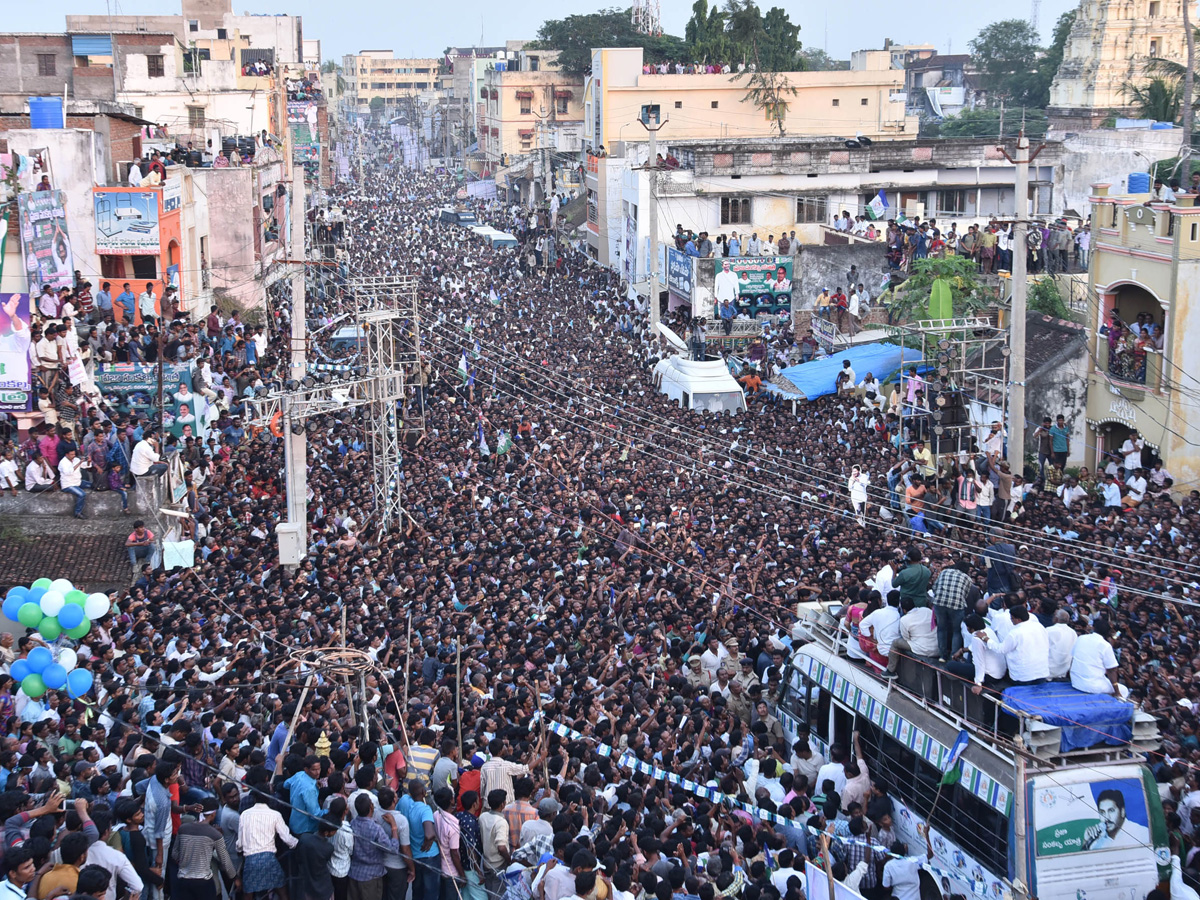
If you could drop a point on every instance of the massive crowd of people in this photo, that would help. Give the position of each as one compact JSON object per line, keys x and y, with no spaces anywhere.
{"x":595,"y":556}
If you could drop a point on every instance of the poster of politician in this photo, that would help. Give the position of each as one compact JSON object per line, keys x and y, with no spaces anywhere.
{"x":45,"y":242}
{"x":1102,"y":815}
{"x":16,"y":385}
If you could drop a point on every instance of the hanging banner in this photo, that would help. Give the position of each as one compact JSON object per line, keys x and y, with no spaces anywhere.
{"x":126,"y":223}
{"x":679,"y":274}
{"x":45,"y":242}
{"x":16,"y":376}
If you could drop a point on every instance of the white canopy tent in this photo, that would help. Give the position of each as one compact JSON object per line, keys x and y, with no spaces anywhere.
{"x":706,"y":386}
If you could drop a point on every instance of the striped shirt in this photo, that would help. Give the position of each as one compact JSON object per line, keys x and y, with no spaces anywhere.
{"x":196,"y":845}
{"x":421,"y":760}
{"x":257,"y":829}
{"x":517,"y":814}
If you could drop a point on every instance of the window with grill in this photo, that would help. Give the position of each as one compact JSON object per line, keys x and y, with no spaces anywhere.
{"x":155,"y":67}
{"x":526,"y":105}
{"x":560,"y":105}
{"x":810,"y":210}
{"x":952,"y":202}
{"x":735,"y":210}
{"x":195,"y":116}
{"x":46,"y":64}
{"x":837,"y":102}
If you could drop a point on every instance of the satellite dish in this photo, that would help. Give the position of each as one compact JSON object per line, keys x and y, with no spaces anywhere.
{"x":671,"y":337}
{"x":853,"y":145}
{"x":863,"y":139}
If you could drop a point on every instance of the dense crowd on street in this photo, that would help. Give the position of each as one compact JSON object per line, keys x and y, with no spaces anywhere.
{"x":595,"y":556}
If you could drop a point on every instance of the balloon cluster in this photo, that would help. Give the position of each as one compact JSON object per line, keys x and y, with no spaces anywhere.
{"x":54,"y":608}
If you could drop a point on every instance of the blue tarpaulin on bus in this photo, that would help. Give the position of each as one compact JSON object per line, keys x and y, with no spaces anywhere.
{"x":819,"y":377}
{"x":1085,"y":719}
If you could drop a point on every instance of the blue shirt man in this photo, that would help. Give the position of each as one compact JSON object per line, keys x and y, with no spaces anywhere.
{"x":302,"y":793}
{"x":727,"y":309}
{"x":104,"y":301}
{"x":126,"y":301}
{"x":690,"y":248}
{"x":735,"y":247}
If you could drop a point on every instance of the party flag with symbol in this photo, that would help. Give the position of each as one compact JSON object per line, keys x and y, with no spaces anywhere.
{"x":877,"y":208}
{"x":504,"y":444}
{"x":462,"y":367}
{"x":953,"y":770}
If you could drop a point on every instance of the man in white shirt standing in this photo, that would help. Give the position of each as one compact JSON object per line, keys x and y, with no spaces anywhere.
{"x":918,"y":635}
{"x":712,"y":658}
{"x":1062,"y":639}
{"x":1094,"y":664}
{"x":902,"y":873}
{"x":146,"y":305}
{"x":1026,"y":649}
{"x":987,"y":662}
{"x":883,"y":626}
{"x":1132,"y":451}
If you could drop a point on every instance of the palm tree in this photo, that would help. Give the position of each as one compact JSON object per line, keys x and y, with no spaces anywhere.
{"x":331,"y":67}
{"x":1159,"y":98}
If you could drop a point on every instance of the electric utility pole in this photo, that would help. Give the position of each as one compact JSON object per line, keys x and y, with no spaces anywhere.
{"x":1016,"y":402}
{"x":652,"y":165}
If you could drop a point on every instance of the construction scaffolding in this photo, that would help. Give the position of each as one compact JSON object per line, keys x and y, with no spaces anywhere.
{"x":965,"y":381}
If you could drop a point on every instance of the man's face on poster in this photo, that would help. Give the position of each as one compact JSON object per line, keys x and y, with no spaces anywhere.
{"x":1112,"y":815}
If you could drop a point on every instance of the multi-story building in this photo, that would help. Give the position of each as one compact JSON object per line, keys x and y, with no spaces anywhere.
{"x":1145,"y":271}
{"x":468,"y":69}
{"x":373,"y":75}
{"x":1107,"y":50}
{"x":798,"y":184}
{"x":867,"y":102}
{"x":531,"y":105}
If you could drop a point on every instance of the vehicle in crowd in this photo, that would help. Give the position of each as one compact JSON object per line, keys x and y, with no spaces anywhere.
{"x":1069,"y":807}
{"x":454,"y":215}
{"x":346,"y":339}
{"x":501,"y":239}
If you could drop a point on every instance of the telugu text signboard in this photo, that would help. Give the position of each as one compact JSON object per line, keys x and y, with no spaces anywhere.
{"x":45,"y":241}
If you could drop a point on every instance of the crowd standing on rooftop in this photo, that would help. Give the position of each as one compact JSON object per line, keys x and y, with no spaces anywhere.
{"x":627,"y":568}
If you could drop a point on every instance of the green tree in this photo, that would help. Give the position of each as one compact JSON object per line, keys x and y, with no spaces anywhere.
{"x":329,"y":67}
{"x":769,"y":91}
{"x":780,"y":49}
{"x":576,"y":35}
{"x":815,"y":59}
{"x":985,"y":123}
{"x":1048,"y":66}
{"x":705,"y":33}
{"x":744,"y":28}
{"x":1007,"y":55}
{"x":377,"y":104}
{"x":1159,"y":99}
{"x":910,"y":299}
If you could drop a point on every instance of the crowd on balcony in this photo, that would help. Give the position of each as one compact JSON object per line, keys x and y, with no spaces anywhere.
{"x":1129,"y":343}
{"x":679,"y":67}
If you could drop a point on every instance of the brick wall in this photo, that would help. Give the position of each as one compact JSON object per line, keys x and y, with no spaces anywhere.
{"x":121,"y":134}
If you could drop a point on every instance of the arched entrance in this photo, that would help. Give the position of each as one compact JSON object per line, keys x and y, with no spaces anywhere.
{"x":1110,"y":438}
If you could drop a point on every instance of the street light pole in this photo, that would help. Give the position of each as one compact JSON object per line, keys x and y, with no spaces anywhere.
{"x":652,"y":165}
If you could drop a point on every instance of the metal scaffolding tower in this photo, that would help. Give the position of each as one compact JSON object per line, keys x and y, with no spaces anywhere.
{"x":972,"y":355}
{"x":381,"y":306}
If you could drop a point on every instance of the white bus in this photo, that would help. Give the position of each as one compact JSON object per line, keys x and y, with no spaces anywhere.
{"x":1093,"y":825}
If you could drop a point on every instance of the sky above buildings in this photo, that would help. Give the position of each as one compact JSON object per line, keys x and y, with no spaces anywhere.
{"x":354,"y":25}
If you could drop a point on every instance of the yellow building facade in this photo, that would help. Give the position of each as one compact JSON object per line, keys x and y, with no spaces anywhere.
{"x":378,"y":73}
{"x":869,"y":102}
{"x":1145,"y":260}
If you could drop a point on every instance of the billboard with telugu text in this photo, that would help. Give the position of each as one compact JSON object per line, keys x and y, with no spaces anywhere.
{"x":45,"y":241}
{"x":679,"y":273}
{"x":126,"y":223}
{"x":1101,"y":815}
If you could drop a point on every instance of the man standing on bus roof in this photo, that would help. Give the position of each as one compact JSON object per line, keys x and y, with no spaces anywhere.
{"x":1109,"y":831}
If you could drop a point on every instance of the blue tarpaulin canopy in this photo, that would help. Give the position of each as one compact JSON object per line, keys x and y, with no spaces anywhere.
{"x":819,"y":377}
{"x":1085,"y":719}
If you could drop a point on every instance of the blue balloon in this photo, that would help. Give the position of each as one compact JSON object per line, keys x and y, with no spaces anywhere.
{"x":12,"y":605}
{"x":18,"y":591}
{"x":19,"y":670}
{"x":70,"y":616}
{"x":54,"y":676}
{"x":79,"y":682}
{"x":35,"y":594}
{"x":38,"y":659}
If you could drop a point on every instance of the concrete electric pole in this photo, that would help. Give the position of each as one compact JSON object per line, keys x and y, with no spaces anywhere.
{"x":1016,"y":400}
{"x":649,"y":112}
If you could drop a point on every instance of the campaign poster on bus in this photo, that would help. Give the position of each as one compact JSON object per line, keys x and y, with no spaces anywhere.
{"x":45,"y":241}
{"x":1101,"y":815}
{"x":16,"y":384}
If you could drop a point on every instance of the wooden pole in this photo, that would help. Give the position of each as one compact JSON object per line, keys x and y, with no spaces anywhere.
{"x":287,"y":741}
{"x":346,"y":680}
{"x":407,"y":663}
{"x":537,"y":692}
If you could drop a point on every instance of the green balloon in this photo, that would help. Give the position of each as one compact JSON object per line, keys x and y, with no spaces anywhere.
{"x":43,"y":583}
{"x":30,"y":614}
{"x":49,"y":628}
{"x":33,"y":686}
{"x":77,"y":597}
{"x":80,"y":630}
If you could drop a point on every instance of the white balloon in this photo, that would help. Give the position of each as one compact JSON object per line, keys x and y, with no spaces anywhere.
{"x":96,"y":606}
{"x":68,"y":659}
{"x":61,"y":585}
{"x":52,"y":602}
